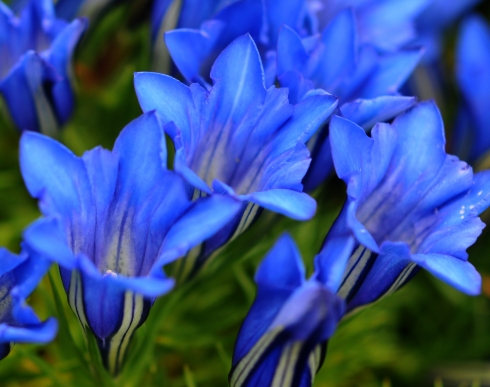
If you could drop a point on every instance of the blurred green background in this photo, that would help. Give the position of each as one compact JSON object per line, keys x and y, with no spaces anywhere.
{"x":427,"y":334}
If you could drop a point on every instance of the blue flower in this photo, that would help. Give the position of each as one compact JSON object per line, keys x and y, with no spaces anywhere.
{"x":433,"y":22}
{"x":365,"y":81}
{"x":409,"y":205}
{"x":195,"y":48}
{"x":19,"y":276}
{"x":386,"y":24}
{"x":192,"y":13}
{"x":472,"y":139}
{"x":112,"y":220}
{"x":281,"y":340}
{"x":35,"y":70}
{"x":239,"y":138}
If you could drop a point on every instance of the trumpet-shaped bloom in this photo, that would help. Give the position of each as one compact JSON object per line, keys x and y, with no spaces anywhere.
{"x":19,"y":276}
{"x":472,"y":139}
{"x":112,"y":219}
{"x":365,"y":81}
{"x":409,"y":205}
{"x":281,"y":340}
{"x":239,"y":138}
{"x":35,"y":66}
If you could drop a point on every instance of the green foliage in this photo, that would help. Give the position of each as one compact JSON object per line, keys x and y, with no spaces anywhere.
{"x":424,"y":332}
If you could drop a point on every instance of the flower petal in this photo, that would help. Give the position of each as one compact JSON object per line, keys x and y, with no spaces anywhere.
{"x":367,"y":112}
{"x":25,"y":95}
{"x":296,"y":205}
{"x":456,"y":272}
{"x":204,"y":218}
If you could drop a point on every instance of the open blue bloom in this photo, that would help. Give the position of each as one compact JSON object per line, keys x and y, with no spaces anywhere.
{"x":409,"y":205}
{"x":194,"y":48}
{"x":192,"y":13}
{"x":386,"y":24}
{"x":203,"y":32}
{"x":19,"y":276}
{"x":365,"y":81}
{"x":112,"y":220}
{"x":433,"y":22}
{"x":69,"y":9}
{"x":281,"y":340}
{"x":239,"y":138}
{"x":472,"y":139}
{"x":35,"y":67}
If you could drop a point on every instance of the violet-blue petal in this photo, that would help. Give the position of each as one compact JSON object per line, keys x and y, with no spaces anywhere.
{"x":281,"y":338}
{"x":293,"y":13}
{"x":48,"y":169}
{"x":367,"y":112}
{"x":60,"y":57}
{"x":473,"y":75}
{"x":200,"y":222}
{"x":344,"y":137}
{"x":190,"y":49}
{"x":296,"y":205}
{"x":166,"y":95}
{"x":389,"y":271}
{"x":335,"y":59}
{"x":45,"y":236}
{"x":25,"y":95}
{"x":41,"y":333}
{"x":282,"y":268}
{"x":458,"y":273}
{"x":339,"y":244}
{"x":20,"y":275}
{"x":433,"y":22}
{"x":240,"y":69}
{"x":389,"y":24}
{"x":391,"y":73}
{"x":291,"y":53}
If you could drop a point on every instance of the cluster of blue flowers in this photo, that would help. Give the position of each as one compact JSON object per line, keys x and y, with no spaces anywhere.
{"x":278,"y":96}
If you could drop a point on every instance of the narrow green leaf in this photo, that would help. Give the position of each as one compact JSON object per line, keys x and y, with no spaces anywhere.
{"x":189,"y":378}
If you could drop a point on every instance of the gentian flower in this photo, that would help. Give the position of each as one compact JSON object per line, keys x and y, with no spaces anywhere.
{"x":35,"y":70}
{"x":112,"y":220}
{"x":281,"y":340}
{"x":194,"y":48}
{"x":365,"y":81}
{"x":239,"y":138}
{"x":192,"y":13}
{"x":19,"y":276}
{"x":472,"y":138}
{"x":433,"y":22}
{"x":409,"y":205}
{"x":385,"y":24}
